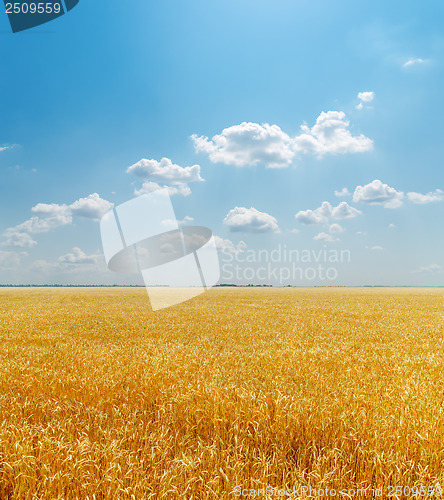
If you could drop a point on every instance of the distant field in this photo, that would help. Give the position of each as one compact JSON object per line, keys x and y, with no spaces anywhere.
{"x":100,"y":398}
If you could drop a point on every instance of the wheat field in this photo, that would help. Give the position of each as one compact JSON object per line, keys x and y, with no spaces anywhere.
{"x":100,"y":398}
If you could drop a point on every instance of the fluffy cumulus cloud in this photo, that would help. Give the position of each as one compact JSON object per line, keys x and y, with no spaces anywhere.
{"x":91,"y":207}
{"x":50,"y":216}
{"x":377,"y":193}
{"x":47,"y":216}
{"x":325,"y":212}
{"x":422,"y":199}
{"x":253,"y":143}
{"x":329,"y":238}
{"x":227,"y":246}
{"x":342,"y":193}
{"x":365,"y":98}
{"x":250,"y":220}
{"x":248,"y":144}
{"x":174,"y":177}
{"x":165,"y":171}
{"x":78,"y":256}
{"x":331,"y":135}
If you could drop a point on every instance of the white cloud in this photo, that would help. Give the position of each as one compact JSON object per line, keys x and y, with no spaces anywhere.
{"x":78,"y":256}
{"x":366,"y":96}
{"x":325,"y":237}
{"x":248,"y":144}
{"x":318,"y":216}
{"x":252,"y":143}
{"x":433,"y":268}
{"x":336,"y":228}
{"x":18,"y":239}
{"x":170,"y":222}
{"x":54,"y":216}
{"x":344,"y":211}
{"x":377,"y":193}
{"x":331,"y":135}
{"x":251,"y":220}
{"x":149,"y":187}
{"x":19,"y":236}
{"x":10,"y":260}
{"x":165,"y":171}
{"x":50,"y":216}
{"x":343,"y":192}
{"x":413,"y":62}
{"x":377,"y":248}
{"x":433,"y":196}
{"x":36,"y":225}
{"x":326,"y":212}
{"x":50,"y":210}
{"x":74,"y":261}
{"x":186,"y":219}
{"x":227,"y":246}
{"x":391,"y":226}
{"x":9,"y":146}
{"x":91,"y":207}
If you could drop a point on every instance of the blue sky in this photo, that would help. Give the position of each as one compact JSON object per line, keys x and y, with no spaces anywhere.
{"x":105,"y":86}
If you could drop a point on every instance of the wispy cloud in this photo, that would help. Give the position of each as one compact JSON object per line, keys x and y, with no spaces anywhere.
{"x":74,"y":261}
{"x":413,"y":62}
{"x":48,"y":216}
{"x":9,"y":146}
{"x":422,"y":199}
{"x":432,"y":268}
{"x":10,"y":260}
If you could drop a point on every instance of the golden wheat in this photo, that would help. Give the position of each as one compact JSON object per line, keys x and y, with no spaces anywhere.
{"x":100,"y":398}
